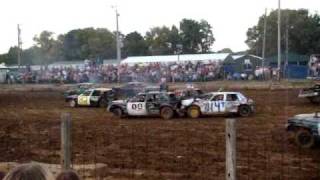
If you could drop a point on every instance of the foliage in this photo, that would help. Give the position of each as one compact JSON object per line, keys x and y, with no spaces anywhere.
{"x":303,"y":33}
{"x":100,"y":43}
{"x":134,"y":45}
{"x":196,"y":36}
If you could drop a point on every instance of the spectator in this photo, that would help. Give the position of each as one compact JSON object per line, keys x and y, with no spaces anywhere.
{"x":68,"y":175}
{"x":29,"y":172}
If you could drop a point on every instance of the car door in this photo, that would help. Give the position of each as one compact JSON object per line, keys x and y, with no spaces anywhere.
{"x":232,"y":102}
{"x":94,"y":98}
{"x":215,"y":106}
{"x":84,"y":98}
{"x":137,"y":106}
{"x":153,"y":103}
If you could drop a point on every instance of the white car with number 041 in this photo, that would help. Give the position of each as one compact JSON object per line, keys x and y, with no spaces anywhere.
{"x":215,"y":103}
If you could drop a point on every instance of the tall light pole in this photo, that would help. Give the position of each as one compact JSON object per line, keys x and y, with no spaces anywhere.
{"x":19,"y":46}
{"x":117,"y":35}
{"x":287,"y":47}
{"x":264,"y":43}
{"x":279,"y":38}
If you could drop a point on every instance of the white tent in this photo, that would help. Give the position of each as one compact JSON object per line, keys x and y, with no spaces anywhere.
{"x":3,"y":66}
{"x":3,"y":72}
{"x":176,"y":58}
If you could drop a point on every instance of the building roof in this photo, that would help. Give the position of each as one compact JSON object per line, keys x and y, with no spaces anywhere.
{"x":110,"y":61}
{"x":235,"y":57}
{"x":66,"y":63}
{"x":176,"y":58}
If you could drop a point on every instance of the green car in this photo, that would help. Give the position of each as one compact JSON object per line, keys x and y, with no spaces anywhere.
{"x":305,"y":129}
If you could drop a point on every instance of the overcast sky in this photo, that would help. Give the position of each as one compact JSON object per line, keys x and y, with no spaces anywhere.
{"x":230,"y":19}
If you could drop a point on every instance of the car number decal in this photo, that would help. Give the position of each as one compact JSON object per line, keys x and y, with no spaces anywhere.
{"x":137,"y":106}
{"x":216,"y":106}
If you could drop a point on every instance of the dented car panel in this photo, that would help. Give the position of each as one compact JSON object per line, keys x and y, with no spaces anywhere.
{"x":145,"y":104}
{"x":219,"y":103}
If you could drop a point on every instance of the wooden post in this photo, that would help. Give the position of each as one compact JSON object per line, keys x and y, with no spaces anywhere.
{"x":230,"y":149}
{"x":65,"y":141}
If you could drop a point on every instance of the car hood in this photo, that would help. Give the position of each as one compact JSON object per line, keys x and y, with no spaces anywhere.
{"x":74,"y":96}
{"x":119,"y":102}
{"x":306,"y":118}
{"x":187,"y":102}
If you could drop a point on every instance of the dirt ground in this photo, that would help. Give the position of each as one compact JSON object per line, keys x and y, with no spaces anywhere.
{"x":152,"y":148}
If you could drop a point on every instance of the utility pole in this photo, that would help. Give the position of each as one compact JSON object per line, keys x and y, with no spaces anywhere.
{"x":19,"y":47}
{"x":287,"y":46}
{"x":264,"y":42}
{"x":279,"y":39}
{"x":117,"y":35}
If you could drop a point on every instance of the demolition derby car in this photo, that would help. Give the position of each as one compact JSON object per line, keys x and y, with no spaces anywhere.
{"x":163,"y":104}
{"x":98,"y":97}
{"x":215,"y":103}
{"x":133,"y":88}
{"x":313,"y":94}
{"x":79,"y":89}
{"x":188,"y":93}
{"x":304,"y":129}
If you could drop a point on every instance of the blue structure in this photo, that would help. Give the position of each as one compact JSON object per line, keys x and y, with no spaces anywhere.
{"x":295,"y":68}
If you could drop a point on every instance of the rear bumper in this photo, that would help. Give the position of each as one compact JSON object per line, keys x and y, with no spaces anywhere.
{"x":307,"y":94}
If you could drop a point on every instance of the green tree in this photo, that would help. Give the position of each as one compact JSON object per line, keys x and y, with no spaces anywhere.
{"x":303,"y":36}
{"x":225,"y":50}
{"x":158,"y":40}
{"x":48,"y":46}
{"x":89,"y":43}
{"x":196,"y":36}
{"x":134,"y":45}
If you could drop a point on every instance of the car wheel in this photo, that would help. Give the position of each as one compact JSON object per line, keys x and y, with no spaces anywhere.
{"x":315,"y":100}
{"x":117,"y":112}
{"x":73,"y":103}
{"x":193,"y":112}
{"x":244,"y":111}
{"x":304,"y":139}
{"x":166,"y":113}
{"x":103,"y":103}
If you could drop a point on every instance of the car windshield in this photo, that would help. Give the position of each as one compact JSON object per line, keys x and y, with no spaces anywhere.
{"x":87,"y":93}
{"x":206,"y":97}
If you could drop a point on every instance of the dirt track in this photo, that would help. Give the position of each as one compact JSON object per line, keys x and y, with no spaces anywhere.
{"x":147,"y":148}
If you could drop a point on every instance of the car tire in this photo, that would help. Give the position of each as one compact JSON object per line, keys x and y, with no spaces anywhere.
{"x":193,"y":112}
{"x":73,"y":103}
{"x":166,"y":113}
{"x":304,"y":138}
{"x":244,"y":111}
{"x":103,"y":103}
{"x":117,"y":112}
{"x":315,"y":100}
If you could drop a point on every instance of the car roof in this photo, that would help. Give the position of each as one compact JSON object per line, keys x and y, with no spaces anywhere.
{"x":224,"y":92}
{"x":101,"y":89}
{"x":157,"y":92}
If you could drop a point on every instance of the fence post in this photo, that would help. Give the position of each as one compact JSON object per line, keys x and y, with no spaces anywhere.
{"x":230,"y":149}
{"x":65,"y":141}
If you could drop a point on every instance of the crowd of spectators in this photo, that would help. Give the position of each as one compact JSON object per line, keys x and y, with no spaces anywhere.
{"x":91,"y":72}
{"x":314,"y":66}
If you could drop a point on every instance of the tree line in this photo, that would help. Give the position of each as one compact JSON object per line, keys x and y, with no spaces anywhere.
{"x":99,"y":43}
{"x":300,"y":27}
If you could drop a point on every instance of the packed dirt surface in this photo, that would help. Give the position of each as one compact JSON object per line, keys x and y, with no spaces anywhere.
{"x":152,"y":148}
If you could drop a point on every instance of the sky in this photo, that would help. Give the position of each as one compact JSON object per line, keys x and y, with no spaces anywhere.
{"x":230,"y":19}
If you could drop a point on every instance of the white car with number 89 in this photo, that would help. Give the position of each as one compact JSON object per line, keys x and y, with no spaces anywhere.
{"x":215,"y":103}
